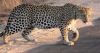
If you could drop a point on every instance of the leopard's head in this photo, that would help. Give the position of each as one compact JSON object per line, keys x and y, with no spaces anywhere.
{"x":84,"y":14}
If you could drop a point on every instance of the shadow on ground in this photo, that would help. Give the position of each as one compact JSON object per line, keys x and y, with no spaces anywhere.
{"x":89,"y":42}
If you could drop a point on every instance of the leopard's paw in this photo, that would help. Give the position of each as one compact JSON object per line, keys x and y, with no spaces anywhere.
{"x":71,"y":43}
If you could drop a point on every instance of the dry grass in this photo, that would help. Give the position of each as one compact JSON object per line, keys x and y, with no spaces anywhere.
{"x":5,"y":7}
{"x":8,"y":4}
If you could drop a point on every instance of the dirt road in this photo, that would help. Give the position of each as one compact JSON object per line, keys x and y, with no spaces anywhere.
{"x":89,"y":42}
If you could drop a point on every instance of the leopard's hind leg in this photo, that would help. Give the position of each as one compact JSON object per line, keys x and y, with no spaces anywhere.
{"x":10,"y":29}
{"x":7,"y":36}
{"x":26,"y":32}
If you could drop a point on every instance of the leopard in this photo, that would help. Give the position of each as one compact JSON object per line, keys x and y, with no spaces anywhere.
{"x":25,"y":17}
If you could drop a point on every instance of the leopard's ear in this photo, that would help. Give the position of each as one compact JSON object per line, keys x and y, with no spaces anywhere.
{"x":65,"y":4}
{"x":68,"y":4}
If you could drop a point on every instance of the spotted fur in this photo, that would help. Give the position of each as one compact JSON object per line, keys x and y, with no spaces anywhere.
{"x":26,"y":17}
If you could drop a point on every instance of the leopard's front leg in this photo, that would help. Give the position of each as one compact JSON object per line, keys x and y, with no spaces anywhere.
{"x":64,"y":33}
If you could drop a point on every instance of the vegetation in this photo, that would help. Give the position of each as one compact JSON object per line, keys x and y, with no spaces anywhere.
{"x":8,"y":4}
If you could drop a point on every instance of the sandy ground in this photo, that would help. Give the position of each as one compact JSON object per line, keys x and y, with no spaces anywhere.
{"x":46,"y":42}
